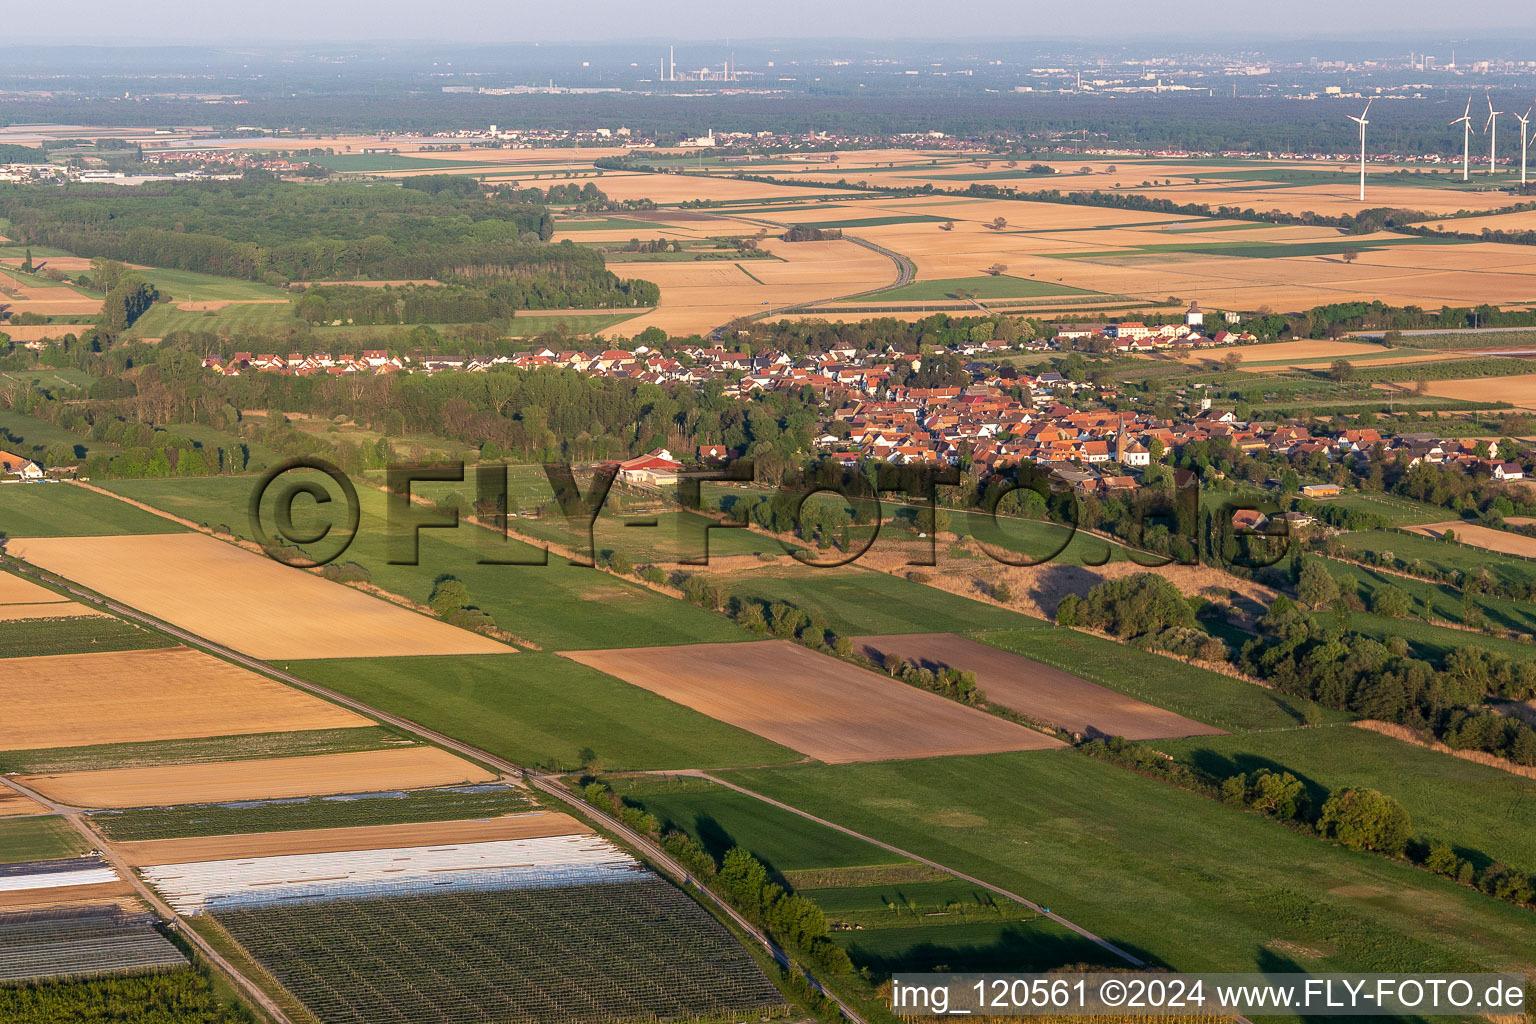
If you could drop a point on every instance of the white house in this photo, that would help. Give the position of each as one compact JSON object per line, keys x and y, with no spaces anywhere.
{"x":15,"y":465}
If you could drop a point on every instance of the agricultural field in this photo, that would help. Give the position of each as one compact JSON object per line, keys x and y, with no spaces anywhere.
{"x":1061,"y":253}
{"x":70,"y":945}
{"x":75,"y":634}
{"x":1158,"y":869}
{"x":63,"y":510}
{"x":1441,"y":601}
{"x":1486,"y":813}
{"x":202,"y":750}
{"x":244,"y":601}
{"x":51,"y":610}
{"x":814,"y":703}
{"x":14,"y":590}
{"x":698,"y":297}
{"x":617,"y":951}
{"x":855,"y":600}
{"x":13,"y":804}
{"x":227,"y":319}
{"x":1002,"y":286}
{"x":257,"y":778}
{"x":1501,"y":541}
{"x":1043,"y":693}
{"x":889,"y":913}
{"x":1408,"y":549}
{"x":545,"y":606}
{"x":167,"y":694}
{"x":719,"y":819}
{"x":357,"y":810}
{"x":47,"y":837}
{"x":531,"y":825}
{"x":1193,"y":692}
{"x":1396,"y":510}
{"x":544,"y":710}
{"x":32,"y":437}
{"x":186,"y":996}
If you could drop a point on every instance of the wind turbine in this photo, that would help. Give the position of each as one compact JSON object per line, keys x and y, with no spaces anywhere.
{"x":1465,"y":120}
{"x":1524,"y":122}
{"x":1362,"y":122}
{"x":1493,"y":134}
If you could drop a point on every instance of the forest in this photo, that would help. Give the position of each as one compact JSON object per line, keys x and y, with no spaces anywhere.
{"x":281,"y":233}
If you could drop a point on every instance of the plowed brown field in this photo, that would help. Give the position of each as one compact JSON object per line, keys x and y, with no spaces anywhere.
{"x":813,"y":703}
{"x":1037,"y":690}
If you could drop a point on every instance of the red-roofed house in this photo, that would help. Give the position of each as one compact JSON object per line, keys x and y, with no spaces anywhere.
{"x":655,"y":468}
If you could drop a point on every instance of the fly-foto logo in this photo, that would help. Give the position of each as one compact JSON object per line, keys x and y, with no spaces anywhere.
{"x":1163,"y":527}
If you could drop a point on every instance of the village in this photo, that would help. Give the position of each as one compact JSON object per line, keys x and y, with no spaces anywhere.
{"x":1005,"y":416}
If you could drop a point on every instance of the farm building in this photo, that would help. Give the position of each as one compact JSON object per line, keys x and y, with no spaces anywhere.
{"x":1320,"y":490}
{"x":654,"y":468}
{"x":15,"y":465}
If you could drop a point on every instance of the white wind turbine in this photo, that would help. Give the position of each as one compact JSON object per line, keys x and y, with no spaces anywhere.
{"x":1465,"y":120}
{"x":1493,"y":134}
{"x":1362,"y":122}
{"x":1524,"y":123}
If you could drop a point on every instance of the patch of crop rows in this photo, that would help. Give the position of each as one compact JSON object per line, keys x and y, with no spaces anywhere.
{"x":78,"y":945}
{"x":637,"y":951}
{"x":182,"y":820}
{"x":89,"y":634}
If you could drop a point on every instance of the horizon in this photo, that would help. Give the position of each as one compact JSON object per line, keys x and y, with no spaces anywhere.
{"x":180,"y":22}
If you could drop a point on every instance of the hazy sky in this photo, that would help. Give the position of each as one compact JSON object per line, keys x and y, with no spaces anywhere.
{"x":570,"y":20}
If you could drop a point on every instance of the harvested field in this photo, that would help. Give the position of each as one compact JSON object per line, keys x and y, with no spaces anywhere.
{"x":536,"y":825}
{"x":1480,"y":537}
{"x":15,"y":590}
{"x":813,"y":703}
{"x":702,"y":295}
{"x":1036,"y":690}
{"x":1517,"y":391}
{"x":275,"y":778}
{"x":1522,"y":220}
{"x":13,"y":803}
{"x":56,"y":610}
{"x":245,"y":601}
{"x":676,"y":188}
{"x":172,"y":693}
{"x":64,"y":895}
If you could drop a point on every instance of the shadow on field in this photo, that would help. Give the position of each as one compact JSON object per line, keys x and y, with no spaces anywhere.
{"x":1018,"y":948}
